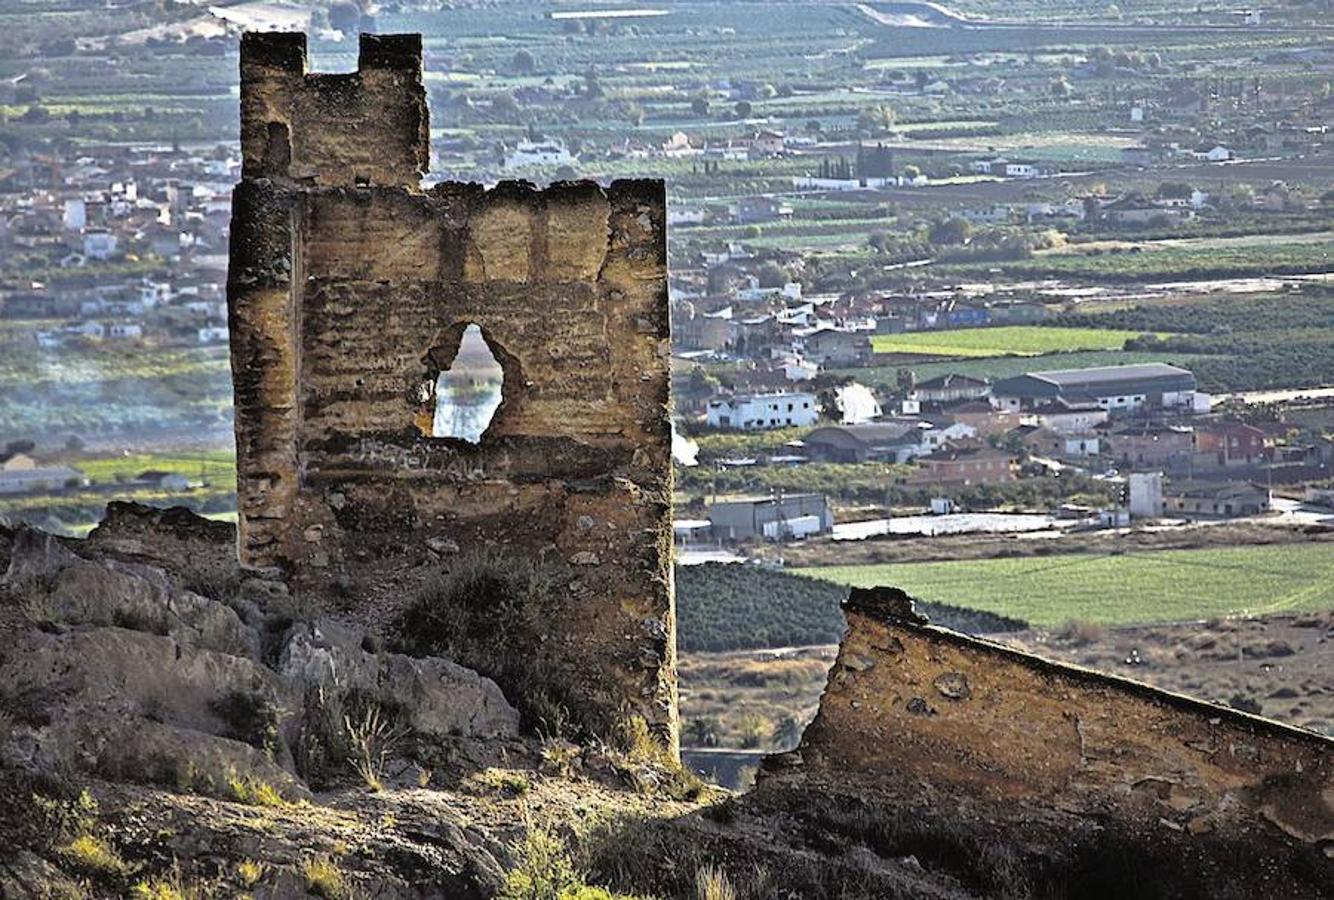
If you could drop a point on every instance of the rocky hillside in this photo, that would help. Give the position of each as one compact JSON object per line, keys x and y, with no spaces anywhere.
{"x":173,"y":727}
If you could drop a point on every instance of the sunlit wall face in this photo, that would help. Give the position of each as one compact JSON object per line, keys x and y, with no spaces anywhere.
{"x":468,"y":393}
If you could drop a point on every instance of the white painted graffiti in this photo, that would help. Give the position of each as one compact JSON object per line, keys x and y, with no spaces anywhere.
{"x":443,"y":460}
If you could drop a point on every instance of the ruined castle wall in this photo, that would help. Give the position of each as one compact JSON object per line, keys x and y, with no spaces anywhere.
{"x":915,"y":712}
{"x":349,"y":291}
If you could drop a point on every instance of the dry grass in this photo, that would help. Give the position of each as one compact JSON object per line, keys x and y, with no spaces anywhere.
{"x":1081,"y":633}
{"x":171,"y":885}
{"x":249,"y":873}
{"x":503,"y":781}
{"x":372,"y":738}
{"x":747,"y":697}
{"x":255,"y":792}
{"x":324,"y":878}
{"x":712,"y":883}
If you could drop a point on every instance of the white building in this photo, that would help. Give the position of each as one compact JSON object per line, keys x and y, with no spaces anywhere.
{"x":1146,"y":494}
{"x":1021,"y":170}
{"x":124,"y":330}
{"x":76,"y":214}
{"x":685,"y":215}
{"x":798,"y":369}
{"x":546,"y":152}
{"x":754,"y":412}
{"x":994,"y":214}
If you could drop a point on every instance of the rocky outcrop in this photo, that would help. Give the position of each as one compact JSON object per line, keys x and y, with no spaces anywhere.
{"x":117,"y":670}
{"x":61,"y":587}
{"x":431,"y":696}
{"x":1058,"y":760}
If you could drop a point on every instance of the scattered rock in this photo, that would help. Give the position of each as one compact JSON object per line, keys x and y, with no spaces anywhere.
{"x":134,"y":678}
{"x":442,"y":546}
{"x":953,"y":685}
{"x":918,"y":706}
{"x":857,"y":663}
{"x":59,"y":586}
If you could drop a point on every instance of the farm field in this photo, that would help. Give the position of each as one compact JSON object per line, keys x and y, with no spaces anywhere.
{"x":74,"y":511}
{"x":1008,"y":340}
{"x":215,"y":467}
{"x":109,"y":387}
{"x":1163,"y":586}
{"x":1297,"y":257}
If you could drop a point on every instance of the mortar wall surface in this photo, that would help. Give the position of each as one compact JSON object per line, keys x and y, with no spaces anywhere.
{"x":349,"y":291}
{"x":916,"y":715}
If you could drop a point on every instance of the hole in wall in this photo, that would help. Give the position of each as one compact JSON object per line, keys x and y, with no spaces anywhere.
{"x":468,"y":391}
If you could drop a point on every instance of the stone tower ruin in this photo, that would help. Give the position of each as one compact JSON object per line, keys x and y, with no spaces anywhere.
{"x":350,"y":291}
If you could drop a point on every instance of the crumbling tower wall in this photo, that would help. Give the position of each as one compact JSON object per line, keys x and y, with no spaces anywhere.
{"x":349,"y":290}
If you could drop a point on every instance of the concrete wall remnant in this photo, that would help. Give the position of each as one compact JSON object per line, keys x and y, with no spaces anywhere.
{"x":916,"y":714}
{"x":350,"y":289}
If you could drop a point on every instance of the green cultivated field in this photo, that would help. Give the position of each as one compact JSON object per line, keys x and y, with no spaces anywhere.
{"x":1019,"y":340}
{"x":1182,"y":263}
{"x":1163,"y":586}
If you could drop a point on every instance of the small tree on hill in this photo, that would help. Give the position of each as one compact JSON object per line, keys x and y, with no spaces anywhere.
{"x":523,"y":63}
{"x":949,"y":232}
{"x":877,"y":120}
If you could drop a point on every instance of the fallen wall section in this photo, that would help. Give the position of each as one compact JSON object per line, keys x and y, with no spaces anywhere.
{"x":916,"y":714}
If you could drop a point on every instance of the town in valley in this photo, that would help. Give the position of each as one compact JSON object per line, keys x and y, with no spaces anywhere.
{"x":1025,"y":309}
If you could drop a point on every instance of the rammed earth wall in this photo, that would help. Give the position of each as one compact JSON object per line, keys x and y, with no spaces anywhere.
{"x":349,"y":290}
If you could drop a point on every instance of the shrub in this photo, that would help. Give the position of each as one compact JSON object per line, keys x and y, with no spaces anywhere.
{"x":250,"y":717}
{"x":712,"y":884}
{"x":1245,"y":703}
{"x":648,"y":767}
{"x":65,"y":818}
{"x":487,"y":613}
{"x":171,"y":886}
{"x":560,"y":757}
{"x":1081,"y":633}
{"x":754,"y":730}
{"x":542,"y":869}
{"x":249,"y":872}
{"x":94,"y":856}
{"x":504,"y":781}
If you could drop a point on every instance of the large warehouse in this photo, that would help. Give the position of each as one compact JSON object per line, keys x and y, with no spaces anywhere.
{"x":1147,"y":386}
